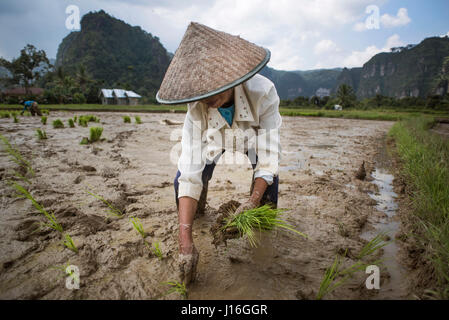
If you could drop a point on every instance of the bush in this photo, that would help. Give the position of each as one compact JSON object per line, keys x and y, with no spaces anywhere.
{"x":58,"y":124}
{"x":79,"y":98}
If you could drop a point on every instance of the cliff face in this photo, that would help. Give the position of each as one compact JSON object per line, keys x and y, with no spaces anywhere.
{"x":115,"y":52}
{"x":408,"y":73}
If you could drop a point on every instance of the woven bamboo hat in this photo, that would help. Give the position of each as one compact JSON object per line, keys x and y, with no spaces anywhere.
{"x":208,"y":62}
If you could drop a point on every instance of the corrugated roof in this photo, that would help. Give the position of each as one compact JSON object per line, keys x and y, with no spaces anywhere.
{"x":119,"y":93}
{"x":132,"y":94}
{"x":107,"y":93}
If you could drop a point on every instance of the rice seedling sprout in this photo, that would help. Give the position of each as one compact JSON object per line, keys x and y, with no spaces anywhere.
{"x":126,"y":119}
{"x":41,"y":134}
{"x":138,"y":120}
{"x":264,"y":218}
{"x":57,"y":124}
{"x":95,"y":134}
{"x":44,"y":120}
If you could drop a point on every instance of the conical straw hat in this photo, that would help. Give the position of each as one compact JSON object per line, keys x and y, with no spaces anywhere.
{"x":208,"y":62}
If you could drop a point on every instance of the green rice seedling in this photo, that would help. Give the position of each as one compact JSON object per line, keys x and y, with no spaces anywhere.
{"x":27,"y":114}
{"x":113,"y":210}
{"x":84,"y":141}
{"x":14,"y":113}
{"x":71,"y":123}
{"x":138,"y":120}
{"x":82,"y":122}
{"x":138,"y":226}
{"x":68,"y":242}
{"x":21,"y":177}
{"x":16,"y":120}
{"x":52,"y":222}
{"x":15,"y":155}
{"x":126,"y":119}
{"x":41,"y":134}
{"x":95,"y":134}
{"x":44,"y":120}
{"x":5,"y":114}
{"x":328,"y":283}
{"x":75,"y":118}
{"x":372,"y":246}
{"x":45,"y":111}
{"x":157,"y":250}
{"x":176,"y":286}
{"x":264,"y":218}
{"x":58,"y":124}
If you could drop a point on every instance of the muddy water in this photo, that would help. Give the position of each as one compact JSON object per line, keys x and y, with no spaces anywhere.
{"x":394,"y":286}
{"x":130,"y":168}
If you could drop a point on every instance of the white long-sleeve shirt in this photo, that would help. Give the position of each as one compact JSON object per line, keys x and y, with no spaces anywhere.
{"x":206,"y":134}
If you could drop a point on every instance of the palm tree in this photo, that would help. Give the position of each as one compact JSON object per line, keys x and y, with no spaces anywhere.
{"x":346,"y":97}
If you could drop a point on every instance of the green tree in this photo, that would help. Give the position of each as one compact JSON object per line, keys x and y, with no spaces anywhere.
{"x":345,"y":96}
{"x":28,"y":67}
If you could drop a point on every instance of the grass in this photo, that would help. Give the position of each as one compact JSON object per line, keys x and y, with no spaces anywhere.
{"x":126,"y":119}
{"x":335,"y":276}
{"x":52,"y":222}
{"x":68,"y":242}
{"x":95,"y":134}
{"x":386,"y":114}
{"x":157,"y":250}
{"x":138,"y":120}
{"x":176,"y":286}
{"x":113,"y":210}
{"x":71,"y":123}
{"x":57,"y":124}
{"x":425,"y":167}
{"x":263,"y":218}
{"x":15,"y":155}
{"x":44,"y":120}
{"x":41,"y":134}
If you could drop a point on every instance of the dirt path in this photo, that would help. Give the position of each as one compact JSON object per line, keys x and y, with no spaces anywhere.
{"x":131,"y":169}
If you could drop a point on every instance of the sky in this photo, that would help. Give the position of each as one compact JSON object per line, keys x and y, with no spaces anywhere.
{"x":301,"y":34}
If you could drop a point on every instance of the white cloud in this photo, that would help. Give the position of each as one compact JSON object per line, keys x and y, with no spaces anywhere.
{"x":387,"y":21}
{"x":325,"y":46}
{"x":359,"y":58}
{"x":401,"y":19}
{"x":359,"y":27}
{"x":445,"y":35}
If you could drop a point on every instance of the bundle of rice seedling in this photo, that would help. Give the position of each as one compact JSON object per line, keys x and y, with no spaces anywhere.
{"x":126,"y":119}
{"x":44,"y":120}
{"x":264,"y":218}
{"x":71,"y":123}
{"x":4,"y":114}
{"x":16,"y":120}
{"x":58,"y":124}
{"x":45,"y":111}
{"x":95,"y":134}
{"x":41,"y":134}
{"x":138,"y":120}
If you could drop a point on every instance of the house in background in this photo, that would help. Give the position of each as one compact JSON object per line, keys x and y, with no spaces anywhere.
{"x":119,"y":97}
